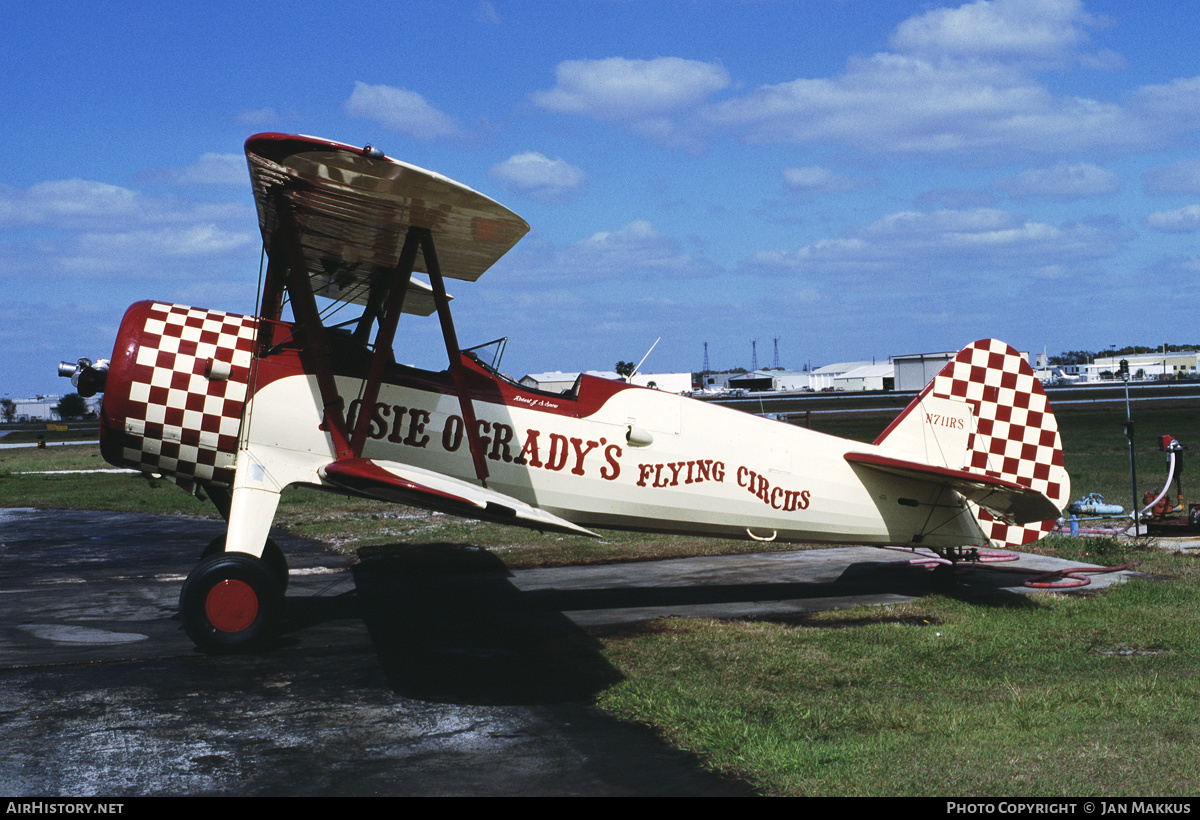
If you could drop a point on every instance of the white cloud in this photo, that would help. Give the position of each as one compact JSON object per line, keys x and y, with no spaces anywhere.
{"x":901,"y":104}
{"x":1176,"y":267}
{"x":65,"y":203}
{"x":635,"y":252}
{"x":210,"y":169}
{"x":957,"y":245}
{"x":814,"y":179}
{"x":655,"y":99}
{"x":538,"y":176}
{"x":631,"y":90}
{"x":1173,"y":106}
{"x":184,"y":241}
{"x":957,"y":80}
{"x":635,"y":247}
{"x":144,"y":250}
{"x":1063,"y":182}
{"x":1180,"y":220}
{"x":1022,"y":29}
{"x":258,"y":118}
{"x":403,"y":111}
{"x":485,"y":12}
{"x":78,"y":228}
{"x":80,"y":204}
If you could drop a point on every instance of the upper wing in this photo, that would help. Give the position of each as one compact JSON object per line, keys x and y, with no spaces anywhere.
{"x":1005,"y":499}
{"x":354,"y":206}
{"x":390,"y":481}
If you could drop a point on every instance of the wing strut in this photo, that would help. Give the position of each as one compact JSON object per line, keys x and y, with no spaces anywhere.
{"x":385,"y":335}
{"x":316,"y":346}
{"x":457,"y":371}
{"x":286,"y":242}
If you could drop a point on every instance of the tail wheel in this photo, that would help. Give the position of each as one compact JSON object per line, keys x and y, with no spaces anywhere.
{"x":230,"y":602}
{"x":272,"y":555}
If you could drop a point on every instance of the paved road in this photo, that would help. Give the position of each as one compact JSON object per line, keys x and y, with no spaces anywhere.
{"x":8,"y":446}
{"x":392,"y":677}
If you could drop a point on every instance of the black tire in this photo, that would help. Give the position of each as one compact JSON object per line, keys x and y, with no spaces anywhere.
{"x":272,"y":555}
{"x":230,"y":603}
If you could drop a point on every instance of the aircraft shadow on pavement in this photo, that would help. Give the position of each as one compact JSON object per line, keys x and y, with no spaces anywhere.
{"x":448,"y":624}
{"x":860,"y":582}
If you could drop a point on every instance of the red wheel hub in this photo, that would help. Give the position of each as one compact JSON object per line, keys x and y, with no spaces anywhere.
{"x":231,"y":605}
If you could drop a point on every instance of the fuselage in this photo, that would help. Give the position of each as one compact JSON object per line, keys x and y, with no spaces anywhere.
{"x":605,"y":454}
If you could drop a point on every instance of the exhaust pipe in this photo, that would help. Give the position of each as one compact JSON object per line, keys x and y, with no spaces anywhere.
{"x":88,"y":378}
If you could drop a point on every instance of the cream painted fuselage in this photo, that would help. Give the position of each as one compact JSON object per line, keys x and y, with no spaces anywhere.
{"x":616,"y":456}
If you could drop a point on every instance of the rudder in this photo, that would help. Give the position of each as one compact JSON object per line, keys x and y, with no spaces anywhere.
{"x":1014,"y":434}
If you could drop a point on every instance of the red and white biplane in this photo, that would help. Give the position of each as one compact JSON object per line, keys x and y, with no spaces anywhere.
{"x":241,"y":407}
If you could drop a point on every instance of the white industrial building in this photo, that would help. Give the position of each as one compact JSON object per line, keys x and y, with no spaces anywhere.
{"x":823,"y":378}
{"x":1146,"y":366}
{"x":867,"y":377}
{"x":779,"y":380}
{"x":914,"y":370}
{"x":838,"y":376}
{"x":42,"y":408}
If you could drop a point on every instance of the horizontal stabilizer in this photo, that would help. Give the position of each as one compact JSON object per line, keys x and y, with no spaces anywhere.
{"x":402,"y":483}
{"x":1005,"y":499}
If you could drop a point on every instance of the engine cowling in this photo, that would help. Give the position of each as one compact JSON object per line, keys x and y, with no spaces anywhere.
{"x":175,"y":391}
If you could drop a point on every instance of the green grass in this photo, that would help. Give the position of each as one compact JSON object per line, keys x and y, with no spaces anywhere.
{"x":59,"y":457}
{"x":1047,"y":696}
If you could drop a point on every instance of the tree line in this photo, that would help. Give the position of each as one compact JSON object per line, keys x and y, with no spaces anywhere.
{"x":70,"y":406}
{"x":1088,"y":356}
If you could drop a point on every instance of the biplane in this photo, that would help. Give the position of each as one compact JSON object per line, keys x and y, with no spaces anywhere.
{"x":240,"y":407}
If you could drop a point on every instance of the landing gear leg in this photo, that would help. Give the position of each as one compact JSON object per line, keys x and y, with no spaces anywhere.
{"x":231,"y":602}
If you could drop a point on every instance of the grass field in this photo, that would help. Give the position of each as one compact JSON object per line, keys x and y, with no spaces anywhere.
{"x":1041,"y":695}
{"x":1050,"y":696}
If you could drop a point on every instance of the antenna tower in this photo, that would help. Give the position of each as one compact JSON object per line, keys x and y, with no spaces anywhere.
{"x":775,"y":364}
{"x":754,"y":354}
{"x":705,"y":358}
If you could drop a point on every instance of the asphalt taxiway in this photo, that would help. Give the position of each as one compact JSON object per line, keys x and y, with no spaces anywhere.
{"x":393,"y":676}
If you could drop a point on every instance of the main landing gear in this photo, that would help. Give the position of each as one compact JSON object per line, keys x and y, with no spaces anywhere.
{"x":272,"y":555}
{"x":233,"y":601}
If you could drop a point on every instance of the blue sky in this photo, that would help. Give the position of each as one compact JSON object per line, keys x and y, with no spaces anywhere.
{"x":854,"y":179}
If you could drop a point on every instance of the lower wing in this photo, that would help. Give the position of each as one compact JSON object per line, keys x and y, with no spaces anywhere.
{"x":405,"y":484}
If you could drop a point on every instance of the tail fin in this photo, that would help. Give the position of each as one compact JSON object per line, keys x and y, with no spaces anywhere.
{"x":986,"y":413}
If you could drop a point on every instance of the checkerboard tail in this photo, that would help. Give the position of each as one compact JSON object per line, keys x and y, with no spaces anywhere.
{"x":1013,"y":434}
